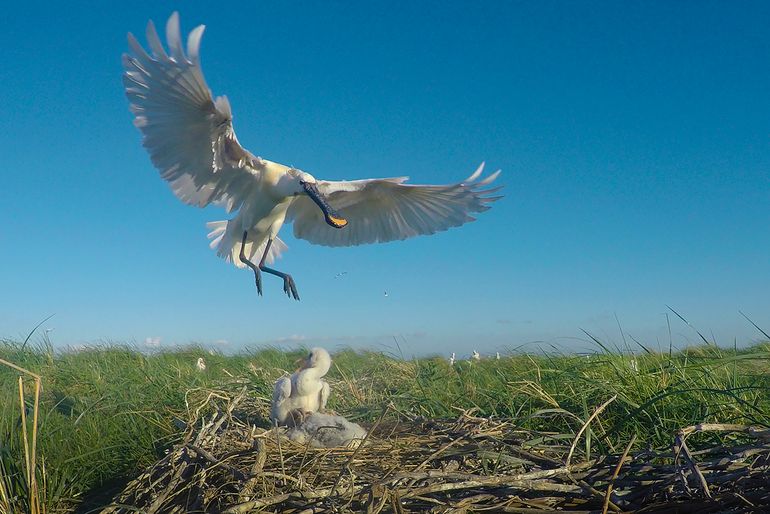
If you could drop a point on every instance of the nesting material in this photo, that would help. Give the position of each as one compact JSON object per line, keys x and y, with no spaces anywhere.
{"x":226,"y":465}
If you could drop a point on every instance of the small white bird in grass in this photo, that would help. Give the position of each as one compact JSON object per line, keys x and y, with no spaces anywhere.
{"x":190,"y":138}
{"x":475,"y":356}
{"x":303,"y":391}
{"x":201,"y":364}
{"x":452,"y":359}
{"x":497,"y":356}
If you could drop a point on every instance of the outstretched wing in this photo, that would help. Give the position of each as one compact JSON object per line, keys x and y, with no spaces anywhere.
{"x":188,"y":134}
{"x":380,"y":210}
{"x":279,"y":408}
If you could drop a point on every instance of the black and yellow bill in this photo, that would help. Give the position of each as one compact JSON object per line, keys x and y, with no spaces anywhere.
{"x":332,"y":217}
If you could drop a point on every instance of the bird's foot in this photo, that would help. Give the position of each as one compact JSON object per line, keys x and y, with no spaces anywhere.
{"x":290,"y":288}
{"x":297,"y":418}
{"x":294,"y":418}
{"x":258,"y":280}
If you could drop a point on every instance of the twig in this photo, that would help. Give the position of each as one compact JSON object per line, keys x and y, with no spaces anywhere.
{"x":615,"y":474}
{"x":360,"y":445}
{"x":237,"y":473}
{"x":256,"y":469}
{"x":759,"y":433}
{"x":681,"y":447}
{"x":498,"y":481}
{"x":266,"y":502}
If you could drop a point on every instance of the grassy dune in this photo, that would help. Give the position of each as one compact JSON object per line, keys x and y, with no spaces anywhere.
{"x":107,"y":412}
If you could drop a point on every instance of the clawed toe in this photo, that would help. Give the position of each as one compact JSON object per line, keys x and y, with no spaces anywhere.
{"x":290,"y":288}
{"x":258,"y":280}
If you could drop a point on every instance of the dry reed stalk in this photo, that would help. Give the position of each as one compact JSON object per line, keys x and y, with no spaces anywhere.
{"x":622,"y":460}
{"x":585,"y":426}
{"x":30,"y":448}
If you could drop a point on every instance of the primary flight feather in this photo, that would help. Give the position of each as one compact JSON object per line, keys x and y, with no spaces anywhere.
{"x":190,"y":138}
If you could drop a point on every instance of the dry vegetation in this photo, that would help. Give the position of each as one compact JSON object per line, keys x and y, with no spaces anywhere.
{"x":527,"y":433}
{"x":225,"y":464}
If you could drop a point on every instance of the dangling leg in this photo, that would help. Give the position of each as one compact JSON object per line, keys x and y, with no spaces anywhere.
{"x":289,"y":287}
{"x":254,"y":267}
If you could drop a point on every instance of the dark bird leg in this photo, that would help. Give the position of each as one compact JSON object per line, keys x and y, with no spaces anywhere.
{"x":254,"y":267}
{"x":289,"y":287}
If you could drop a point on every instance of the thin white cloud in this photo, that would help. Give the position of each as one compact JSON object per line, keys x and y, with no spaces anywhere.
{"x":294,"y":338}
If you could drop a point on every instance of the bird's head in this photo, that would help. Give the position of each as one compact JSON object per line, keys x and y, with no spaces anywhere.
{"x":318,"y":359}
{"x":309,"y":185}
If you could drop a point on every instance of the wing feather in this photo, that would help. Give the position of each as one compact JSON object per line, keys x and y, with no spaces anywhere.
{"x":381,"y":210}
{"x":279,"y":407}
{"x":323,"y":395}
{"x":188,"y":134}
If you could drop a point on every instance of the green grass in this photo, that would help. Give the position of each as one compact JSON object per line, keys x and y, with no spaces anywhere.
{"x":107,"y":412}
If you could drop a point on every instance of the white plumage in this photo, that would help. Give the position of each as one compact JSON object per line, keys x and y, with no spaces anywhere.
{"x":304,"y":391}
{"x":327,"y":431}
{"x":190,"y":138}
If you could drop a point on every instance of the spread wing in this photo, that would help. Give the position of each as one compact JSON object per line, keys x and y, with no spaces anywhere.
{"x":380,"y":210}
{"x":188,"y":134}
{"x":279,"y":408}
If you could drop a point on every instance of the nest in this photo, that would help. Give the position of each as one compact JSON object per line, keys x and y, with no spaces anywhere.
{"x":227,"y":465}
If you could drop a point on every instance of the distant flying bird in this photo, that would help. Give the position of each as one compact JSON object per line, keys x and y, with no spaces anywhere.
{"x":340,"y":274}
{"x":190,"y":138}
{"x":201,"y":364}
{"x":304,"y":390}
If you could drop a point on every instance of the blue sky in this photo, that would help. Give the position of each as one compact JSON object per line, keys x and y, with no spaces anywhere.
{"x":634,"y":139}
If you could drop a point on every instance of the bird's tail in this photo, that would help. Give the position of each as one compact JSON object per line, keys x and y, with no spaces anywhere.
{"x":226,"y":239}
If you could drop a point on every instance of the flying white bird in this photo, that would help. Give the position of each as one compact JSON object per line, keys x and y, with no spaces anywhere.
{"x":190,"y":138}
{"x":304,"y":390}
